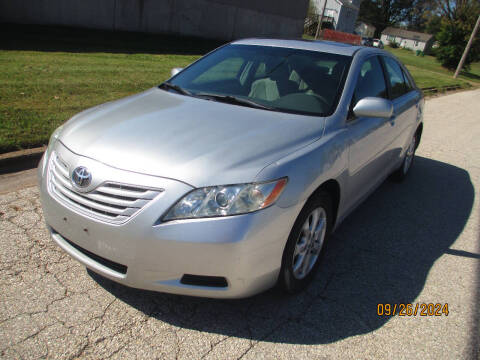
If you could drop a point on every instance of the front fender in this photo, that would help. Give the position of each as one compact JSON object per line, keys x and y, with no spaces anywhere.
{"x":309,"y":167}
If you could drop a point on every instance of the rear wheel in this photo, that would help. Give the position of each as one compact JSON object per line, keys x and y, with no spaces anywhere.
{"x":304,"y":250}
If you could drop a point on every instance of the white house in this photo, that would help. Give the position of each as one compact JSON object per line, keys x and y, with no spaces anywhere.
{"x":365,"y":30}
{"x":342,"y":14}
{"x":408,"y":39}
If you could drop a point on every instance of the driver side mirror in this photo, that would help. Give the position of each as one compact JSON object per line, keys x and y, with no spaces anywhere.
{"x":373,"y":107}
{"x":175,"y":71}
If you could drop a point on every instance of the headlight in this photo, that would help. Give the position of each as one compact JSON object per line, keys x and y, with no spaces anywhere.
{"x":226,"y":200}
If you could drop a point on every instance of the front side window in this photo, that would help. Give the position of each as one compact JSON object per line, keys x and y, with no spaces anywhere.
{"x":395,"y":76}
{"x":371,"y":81}
{"x":282,"y":79}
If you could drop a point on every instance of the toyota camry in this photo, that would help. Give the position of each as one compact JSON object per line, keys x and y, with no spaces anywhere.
{"x":229,"y":177}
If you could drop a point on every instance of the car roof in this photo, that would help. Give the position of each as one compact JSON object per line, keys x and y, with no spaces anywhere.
{"x":313,"y":45}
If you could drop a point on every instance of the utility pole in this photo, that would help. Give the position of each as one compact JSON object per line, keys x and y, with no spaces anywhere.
{"x":467,"y":48}
{"x":320,"y":20}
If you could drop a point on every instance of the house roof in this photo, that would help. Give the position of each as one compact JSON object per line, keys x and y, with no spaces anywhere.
{"x":366,"y":24}
{"x":407,"y":34}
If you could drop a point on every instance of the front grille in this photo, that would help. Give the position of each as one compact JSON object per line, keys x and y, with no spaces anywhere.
{"x":122,"y":269}
{"x":111,"y":201}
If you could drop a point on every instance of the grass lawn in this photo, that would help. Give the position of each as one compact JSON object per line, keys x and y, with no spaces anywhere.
{"x":428,"y":72}
{"x":50,"y":74}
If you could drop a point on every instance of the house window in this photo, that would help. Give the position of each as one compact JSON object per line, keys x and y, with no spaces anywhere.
{"x":329,"y":13}
{"x":416,"y":43}
{"x":391,"y":38}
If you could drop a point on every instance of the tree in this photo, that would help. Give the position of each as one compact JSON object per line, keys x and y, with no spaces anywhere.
{"x":433,"y":24}
{"x":312,"y":9}
{"x":384,"y":13}
{"x":457,"y":23}
{"x":454,"y":9}
{"x":311,"y":22}
{"x":421,"y":14}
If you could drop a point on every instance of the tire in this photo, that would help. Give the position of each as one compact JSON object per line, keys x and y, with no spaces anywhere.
{"x":401,"y":173}
{"x":292,"y":278}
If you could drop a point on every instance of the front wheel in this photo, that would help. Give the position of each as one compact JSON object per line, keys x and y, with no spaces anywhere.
{"x":303,"y":252}
{"x":407,"y":163}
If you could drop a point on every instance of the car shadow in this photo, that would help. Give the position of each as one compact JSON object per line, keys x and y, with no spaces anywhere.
{"x":382,"y":253}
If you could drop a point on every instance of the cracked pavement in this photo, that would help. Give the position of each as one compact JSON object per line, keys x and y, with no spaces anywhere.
{"x":415,"y":242}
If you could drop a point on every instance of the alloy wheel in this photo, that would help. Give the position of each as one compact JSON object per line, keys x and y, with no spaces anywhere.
{"x":409,"y":155}
{"x":309,"y":243}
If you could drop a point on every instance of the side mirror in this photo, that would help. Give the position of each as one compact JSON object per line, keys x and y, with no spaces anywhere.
{"x":175,"y":71}
{"x":373,"y":107}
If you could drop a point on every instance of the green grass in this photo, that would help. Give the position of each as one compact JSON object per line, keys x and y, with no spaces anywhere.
{"x":427,"y":72}
{"x":50,"y":74}
{"x":42,"y":90}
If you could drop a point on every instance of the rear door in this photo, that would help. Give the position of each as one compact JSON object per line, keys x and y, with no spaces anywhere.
{"x":405,"y":98}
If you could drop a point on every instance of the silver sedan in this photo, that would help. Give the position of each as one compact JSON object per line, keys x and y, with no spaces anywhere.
{"x":229,"y":177}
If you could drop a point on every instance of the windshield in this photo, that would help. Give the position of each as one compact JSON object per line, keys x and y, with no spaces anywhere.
{"x":281,"y":79}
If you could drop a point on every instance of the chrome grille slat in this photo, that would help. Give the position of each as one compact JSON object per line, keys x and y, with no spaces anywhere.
{"x":61,"y":168}
{"x":133,"y":204}
{"x":62,"y":179}
{"x":91,"y":204}
{"x":111,"y":201}
{"x":103,"y":215}
{"x":94,"y":195}
{"x":147,"y":194}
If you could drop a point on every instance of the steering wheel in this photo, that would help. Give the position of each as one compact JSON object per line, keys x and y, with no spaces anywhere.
{"x":322,"y":99}
{"x":319,"y":97}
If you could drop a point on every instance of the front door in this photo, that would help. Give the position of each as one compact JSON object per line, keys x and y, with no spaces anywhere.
{"x":370,"y":138}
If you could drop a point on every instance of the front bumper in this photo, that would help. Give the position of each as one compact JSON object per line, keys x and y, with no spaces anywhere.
{"x":246,"y":250}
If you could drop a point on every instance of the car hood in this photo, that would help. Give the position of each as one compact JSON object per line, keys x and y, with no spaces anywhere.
{"x":196,"y":141}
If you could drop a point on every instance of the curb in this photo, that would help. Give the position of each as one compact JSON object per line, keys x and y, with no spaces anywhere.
{"x":20,"y":160}
{"x":441,"y":89}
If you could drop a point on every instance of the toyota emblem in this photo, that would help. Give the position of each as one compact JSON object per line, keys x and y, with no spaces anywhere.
{"x":81,"y":177}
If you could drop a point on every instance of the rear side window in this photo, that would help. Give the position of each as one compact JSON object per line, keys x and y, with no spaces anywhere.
{"x":396,"y":78}
{"x":371,"y":81}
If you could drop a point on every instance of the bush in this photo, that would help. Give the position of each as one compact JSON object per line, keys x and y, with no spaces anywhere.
{"x":394,"y":44}
{"x":451,"y":46}
{"x":310,"y":26}
{"x":453,"y":38}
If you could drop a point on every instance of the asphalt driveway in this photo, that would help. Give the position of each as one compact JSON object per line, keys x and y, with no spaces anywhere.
{"x":416,"y":242}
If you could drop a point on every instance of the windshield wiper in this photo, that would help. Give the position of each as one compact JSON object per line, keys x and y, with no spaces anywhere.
{"x":234,"y":100}
{"x":177,"y":88}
